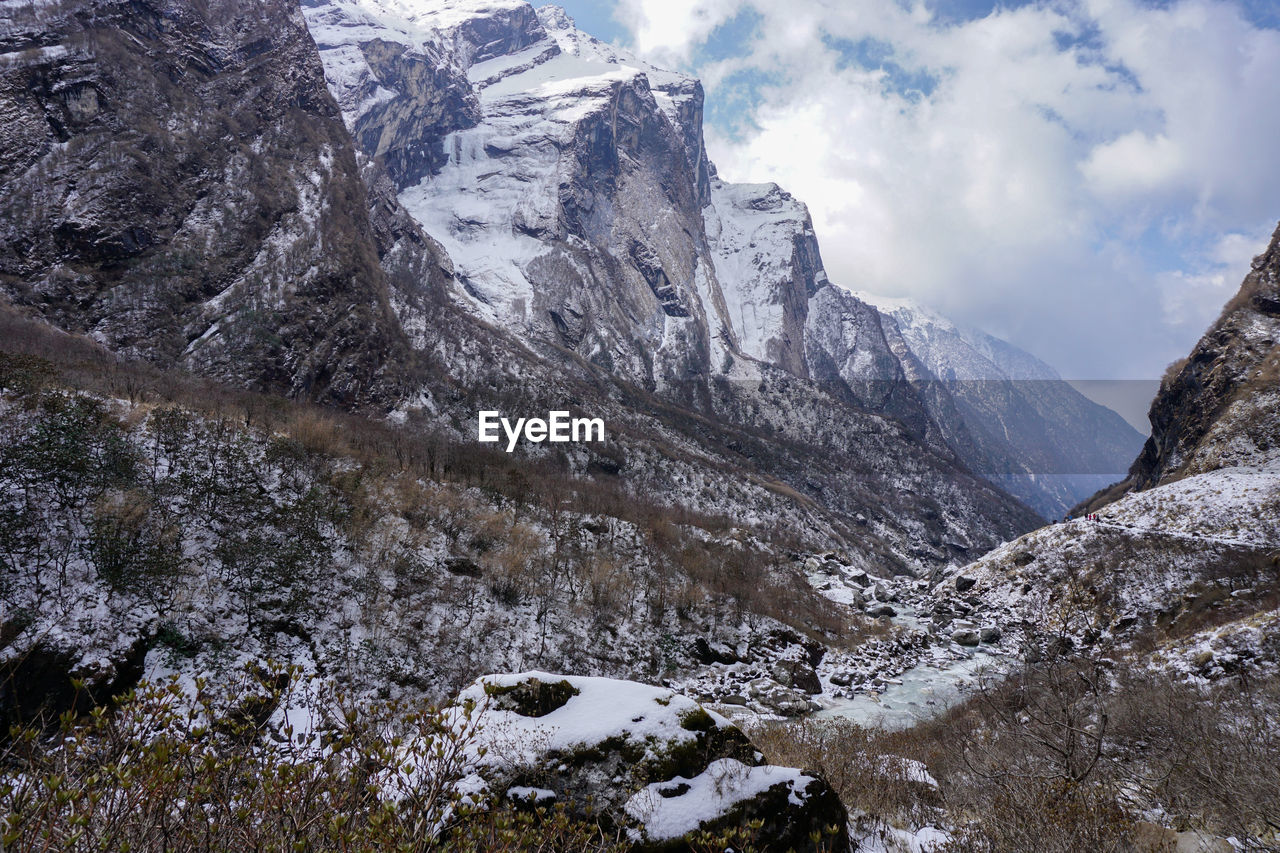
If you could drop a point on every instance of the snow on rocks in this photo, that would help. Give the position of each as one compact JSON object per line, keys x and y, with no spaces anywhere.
{"x":1250,"y":645}
{"x":672,"y":809}
{"x":909,"y":666}
{"x":652,"y":759}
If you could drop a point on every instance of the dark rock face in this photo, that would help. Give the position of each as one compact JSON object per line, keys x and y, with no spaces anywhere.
{"x":178,"y":184}
{"x":797,"y":674}
{"x":1225,"y":391}
{"x":406,"y":134}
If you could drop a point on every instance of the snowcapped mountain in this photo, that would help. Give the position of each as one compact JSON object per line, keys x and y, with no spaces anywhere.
{"x":571,"y":190}
{"x":446,"y":207}
{"x":1009,"y":415}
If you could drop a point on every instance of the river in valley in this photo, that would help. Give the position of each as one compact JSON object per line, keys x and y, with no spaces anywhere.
{"x":920,"y":693}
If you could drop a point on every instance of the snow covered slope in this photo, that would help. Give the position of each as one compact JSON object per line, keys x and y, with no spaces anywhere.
{"x":1159,"y":562}
{"x":1187,"y":551}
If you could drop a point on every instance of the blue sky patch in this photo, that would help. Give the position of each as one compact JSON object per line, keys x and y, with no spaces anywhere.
{"x":873,"y":54}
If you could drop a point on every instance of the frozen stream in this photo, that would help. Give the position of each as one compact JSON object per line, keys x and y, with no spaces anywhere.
{"x":926,"y":690}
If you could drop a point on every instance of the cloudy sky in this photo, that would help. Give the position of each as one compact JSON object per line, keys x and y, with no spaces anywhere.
{"x":1088,"y":179}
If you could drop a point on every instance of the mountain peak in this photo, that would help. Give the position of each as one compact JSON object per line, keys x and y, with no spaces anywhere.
{"x":555,"y":18}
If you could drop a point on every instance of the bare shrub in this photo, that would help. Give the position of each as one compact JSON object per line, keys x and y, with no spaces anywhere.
{"x":1044,"y":816}
{"x":1204,"y":754}
{"x":868,"y":774}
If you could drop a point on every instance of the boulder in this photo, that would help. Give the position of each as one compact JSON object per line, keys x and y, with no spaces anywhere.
{"x":462,"y":566}
{"x":881,"y":610}
{"x":796,"y":674}
{"x":991,"y":634}
{"x":646,"y":759}
{"x":788,"y":803}
{"x":777,"y":698}
{"x":842,"y":678}
{"x":964,"y":583}
{"x":705,"y":652}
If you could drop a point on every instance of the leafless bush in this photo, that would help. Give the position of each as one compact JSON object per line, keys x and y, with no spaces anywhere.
{"x":1206,"y":755}
{"x":864,"y":768}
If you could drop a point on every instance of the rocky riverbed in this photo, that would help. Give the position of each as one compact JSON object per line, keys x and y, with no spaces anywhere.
{"x":928,"y":639}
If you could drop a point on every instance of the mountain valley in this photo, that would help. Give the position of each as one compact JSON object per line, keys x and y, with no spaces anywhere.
{"x":261,"y":268}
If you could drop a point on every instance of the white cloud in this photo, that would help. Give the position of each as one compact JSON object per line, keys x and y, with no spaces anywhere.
{"x":1087,"y":178}
{"x":1134,"y":164}
{"x":668,"y":30}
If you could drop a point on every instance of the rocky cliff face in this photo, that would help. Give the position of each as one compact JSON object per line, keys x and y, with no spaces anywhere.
{"x":1217,"y":408}
{"x":552,"y":184}
{"x":178,"y":184}
{"x":766,"y":254}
